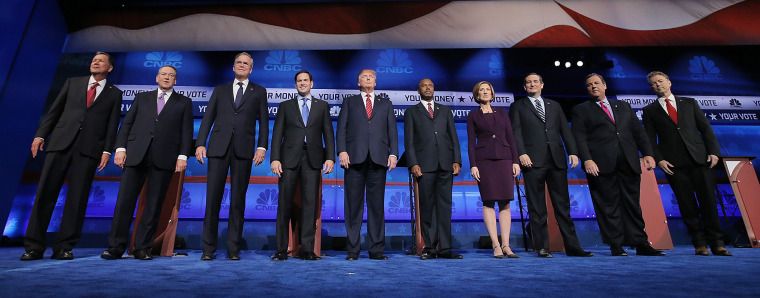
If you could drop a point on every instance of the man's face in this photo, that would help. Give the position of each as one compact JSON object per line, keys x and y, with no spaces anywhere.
{"x":304,"y":84}
{"x":367,"y":80}
{"x":166,"y":78}
{"x":100,"y":65}
{"x":243,"y":66}
{"x":426,"y":89}
{"x":595,"y":87}
{"x":660,"y":85}
{"x":533,"y":85}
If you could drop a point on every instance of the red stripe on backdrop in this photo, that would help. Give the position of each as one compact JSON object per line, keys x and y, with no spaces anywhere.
{"x":734,"y":25}
{"x":326,"y":18}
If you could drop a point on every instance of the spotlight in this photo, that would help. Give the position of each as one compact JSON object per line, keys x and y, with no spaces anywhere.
{"x":556,"y":62}
{"x":567,"y":64}
{"x":580,"y":63}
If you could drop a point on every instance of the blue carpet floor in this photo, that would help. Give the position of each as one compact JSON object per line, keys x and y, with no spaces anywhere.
{"x":679,"y":274}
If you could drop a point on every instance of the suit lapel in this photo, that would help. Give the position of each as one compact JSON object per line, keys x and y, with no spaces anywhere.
{"x":103,"y":94}
{"x":532,"y":107}
{"x":423,"y":108}
{"x":597,"y":107}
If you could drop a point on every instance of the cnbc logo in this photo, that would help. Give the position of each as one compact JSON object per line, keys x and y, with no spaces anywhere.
{"x":267,"y":200}
{"x":97,"y":197}
{"x":283,"y":61}
{"x":496,"y":65}
{"x":702,"y":68}
{"x":186,"y":200}
{"x":399,"y":203}
{"x":161,"y":59}
{"x":394,"y":61}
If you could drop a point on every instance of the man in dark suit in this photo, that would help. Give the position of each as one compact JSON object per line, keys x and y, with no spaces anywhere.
{"x":81,"y":124}
{"x":686,"y":151}
{"x":540,"y":129}
{"x":609,"y":137}
{"x":367,"y":145}
{"x":301,"y":128}
{"x":158,"y":132}
{"x":233,"y":110}
{"x":433,"y":156}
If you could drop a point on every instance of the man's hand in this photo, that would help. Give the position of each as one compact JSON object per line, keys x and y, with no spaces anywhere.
{"x":665,"y":166}
{"x":416,"y":171}
{"x":200,"y":153}
{"x":37,"y":144}
{"x":258,"y":157}
{"x":475,"y":173}
{"x":343,"y":159}
{"x":103,"y":161}
{"x":649,"y":163}
{"x":457,"y":168}
{"x":525,"y":161}
{"x":515,"y":170}
{"x":591,"y":168}
{"x":276,"y":168}
{"x":120,"y":158}
{"x":327,"y":168}
{"x":391,"y":163}
{"x":573,"y":161}
{"x":713,"y":160}
{"x":181,"y":166}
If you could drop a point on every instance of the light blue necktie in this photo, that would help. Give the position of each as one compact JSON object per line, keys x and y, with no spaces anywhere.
{"x":304,"y":113}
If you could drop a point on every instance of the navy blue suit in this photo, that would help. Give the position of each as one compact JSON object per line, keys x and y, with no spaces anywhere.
{"x":368,"y":142}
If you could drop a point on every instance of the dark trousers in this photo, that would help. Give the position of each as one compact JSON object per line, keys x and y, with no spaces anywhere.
{"x":240,"y":173}
{"x":617,"y":204}
{"x":132,"y":180}
{"x":369,"y":177}
{"x":536,"y":180}
{"x":81,"y":171}
{"x":435,"y":209}
{"x":309,"y":179}
{"x":694,"y":188}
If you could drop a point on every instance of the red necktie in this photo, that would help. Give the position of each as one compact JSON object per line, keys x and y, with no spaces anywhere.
{"x":430,"y":109}
{"x":91,"y":94}
{"x":606,"y":110}
{"x":671,"y":111}
{"x":369,"y":106}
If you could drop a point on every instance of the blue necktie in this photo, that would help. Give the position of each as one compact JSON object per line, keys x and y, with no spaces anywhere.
{"x":239,"y":95}
{"x":304,"y":114}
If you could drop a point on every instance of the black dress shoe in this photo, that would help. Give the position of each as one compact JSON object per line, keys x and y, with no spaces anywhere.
{"x":450,"y":255}
{"x":207,"y":257}
{"x":581,"y":253}
{"x":233,"y":256}
{"x":352,"y":257}
{"x":377,"y":256}
{"x":544,"y":253}
{"x":309,"y":256}
{"x":31,"y":255}
{"x":648,"y":250}
{"x":427,"y":255}
{"x":280,"y":256}
{"x":111,"y":255}
{"x":143,"y":255}
{"x":701,"y":251}
{"x":618,"y":251}
{"x":62,"y":255}
{"x":720,"y":251}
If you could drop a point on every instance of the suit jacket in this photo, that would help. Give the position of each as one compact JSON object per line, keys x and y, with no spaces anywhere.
{"x":431,"y":142}
{"x":599,"y":139}
{"x":170,"y":132}
{"x":233,"y":124}
{"x":534,"y":137}
{"x":488,"y":140}
{"x":360,"y":137}
{"x":289,"y":131}
{"x":69,"y":116}
{"x":693,"y":137}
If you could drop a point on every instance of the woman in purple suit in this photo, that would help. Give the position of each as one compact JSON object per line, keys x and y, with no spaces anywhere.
{"x":493,"y":162}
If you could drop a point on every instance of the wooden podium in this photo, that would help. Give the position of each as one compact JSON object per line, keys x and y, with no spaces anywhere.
{"x":743,"y":179}
{"x":656,"y":224}
{"x":166,"y":227}
{"x":294,"y":237}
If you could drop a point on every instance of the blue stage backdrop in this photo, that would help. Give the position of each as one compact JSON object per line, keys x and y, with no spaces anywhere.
{"x":726,"y":87}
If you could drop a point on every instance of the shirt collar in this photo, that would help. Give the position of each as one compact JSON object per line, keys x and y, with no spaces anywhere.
{"x":364,"y":95}
{"x":671,"y":97}
{"x":168,"y":93}
{"x":245,"y":82}
{"x":101,"y":83}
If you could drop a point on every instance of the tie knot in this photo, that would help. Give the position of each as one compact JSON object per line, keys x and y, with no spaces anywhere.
{"x":369,"y":97}
{"x":94,"y":85}
{"x":240,"y":84}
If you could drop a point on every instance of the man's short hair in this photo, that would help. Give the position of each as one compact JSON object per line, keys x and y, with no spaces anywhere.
{"x":110,"y":59}
{"x":241,"y":54}
{"x":656,"y":73}
{"x":540,"y":78}
{"x":595,"y":74}
{"x":303,"y":71}
{"x":172,"y":67}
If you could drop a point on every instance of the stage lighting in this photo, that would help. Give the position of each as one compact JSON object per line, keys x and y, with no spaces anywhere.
{"x":556,"y":62}
{"x":567,"y":64}
{"x":580,"y":63}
